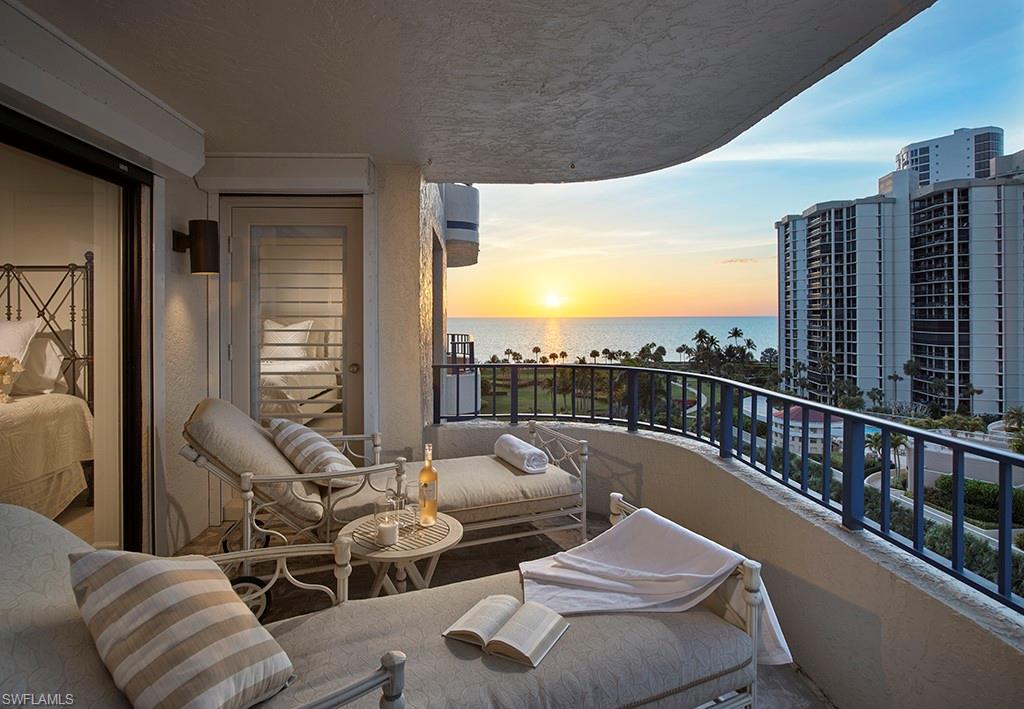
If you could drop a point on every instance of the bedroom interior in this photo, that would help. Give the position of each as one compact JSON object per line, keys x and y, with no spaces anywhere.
{"x":60,"y":304}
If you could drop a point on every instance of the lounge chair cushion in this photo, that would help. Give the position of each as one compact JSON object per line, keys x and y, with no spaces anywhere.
{"x":237,"y":444}
{"x":43,"y":641}
{"x":476,"y":489}
{"x":603,"y":660}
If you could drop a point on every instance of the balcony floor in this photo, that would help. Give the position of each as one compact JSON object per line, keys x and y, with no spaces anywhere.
{"x":782,"y":687}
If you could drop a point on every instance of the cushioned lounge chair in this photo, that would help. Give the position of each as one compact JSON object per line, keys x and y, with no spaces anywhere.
{"x":603,"y":660}
{"x":492,"y":499}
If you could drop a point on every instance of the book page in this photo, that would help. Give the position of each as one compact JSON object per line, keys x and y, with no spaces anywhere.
{"x":529,"y":634}
{"x":480,"y":623}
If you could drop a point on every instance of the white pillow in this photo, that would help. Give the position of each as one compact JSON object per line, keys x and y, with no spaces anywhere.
{"x":42,"y":363}
{"x":290,"y":343}
{"x":15,"y":337}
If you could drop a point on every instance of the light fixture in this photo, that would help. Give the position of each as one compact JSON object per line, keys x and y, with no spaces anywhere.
{"x":203,"y":244}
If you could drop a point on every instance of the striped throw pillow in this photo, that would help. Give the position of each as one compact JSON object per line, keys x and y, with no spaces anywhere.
{"x":173,"y":633}
{"x":310,"y":452}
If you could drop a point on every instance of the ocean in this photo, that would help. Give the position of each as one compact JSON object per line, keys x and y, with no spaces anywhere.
{"x":578,"y":336}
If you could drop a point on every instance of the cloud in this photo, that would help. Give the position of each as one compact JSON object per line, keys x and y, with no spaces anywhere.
{"x":867,"y":149}
{"x":739,"y":260}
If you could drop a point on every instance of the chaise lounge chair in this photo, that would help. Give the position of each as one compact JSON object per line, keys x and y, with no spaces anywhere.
{"x":491,"y":499}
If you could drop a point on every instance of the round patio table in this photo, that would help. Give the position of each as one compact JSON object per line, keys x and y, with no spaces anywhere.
{"x":414,"y":545}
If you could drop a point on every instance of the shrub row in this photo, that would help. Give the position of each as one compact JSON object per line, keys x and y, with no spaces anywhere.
{"x":981,"y":499}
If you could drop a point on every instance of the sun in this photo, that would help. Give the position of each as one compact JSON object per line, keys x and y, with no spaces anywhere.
{"x":553,"y":300}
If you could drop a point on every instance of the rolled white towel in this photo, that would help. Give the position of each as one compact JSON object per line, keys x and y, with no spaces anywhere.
{"x":521,"y":454}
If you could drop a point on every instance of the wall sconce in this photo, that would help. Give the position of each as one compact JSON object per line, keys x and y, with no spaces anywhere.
{"x":203,"y":244}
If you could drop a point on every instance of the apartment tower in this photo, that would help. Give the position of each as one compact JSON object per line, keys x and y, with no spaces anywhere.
{"x":929,"y":273}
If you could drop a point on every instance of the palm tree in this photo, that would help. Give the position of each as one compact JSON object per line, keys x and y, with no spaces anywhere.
{"x":895,"y":378}
{"x":563,"y":355}
{"x":679,"y":351}
{"x":607,"y":354}
{"x":911,"y":368}
{"x":749,"y":345}
{"x":969,"y":391}
{"x":877,"y":396}
{"x":701,"y":336}
{"x":1014,"y":418}
{"x":544,"y":359}
{"x":552,"y":357}
{"x":536,"y":352}
{"x":594,"y":355}
{"x":898,"y":441}
{"x":873,"y":442}
{"x":508,"y":352}
{"x":735,"y":334}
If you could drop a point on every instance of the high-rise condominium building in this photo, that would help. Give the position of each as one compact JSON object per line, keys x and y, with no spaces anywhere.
{"x":932,"y":274}
{"x":965,"y":153}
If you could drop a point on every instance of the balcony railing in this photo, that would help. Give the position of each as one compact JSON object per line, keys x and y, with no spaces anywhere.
{"x":789,"y":440}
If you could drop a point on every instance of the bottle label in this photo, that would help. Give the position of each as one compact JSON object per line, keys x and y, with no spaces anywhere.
{"x":428,"y":491}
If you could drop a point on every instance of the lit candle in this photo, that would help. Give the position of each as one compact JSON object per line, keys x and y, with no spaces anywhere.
{"x":387,"y":533}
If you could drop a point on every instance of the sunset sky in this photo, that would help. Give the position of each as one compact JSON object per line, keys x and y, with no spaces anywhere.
{"x":698,"y":238}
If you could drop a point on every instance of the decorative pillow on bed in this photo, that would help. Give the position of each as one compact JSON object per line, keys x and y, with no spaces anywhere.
{"x":285,"y":340}
{"x":310,"y":452}
{"x":14,"y":341}
{"x":172,"y":632}
{"x":43,"y":363}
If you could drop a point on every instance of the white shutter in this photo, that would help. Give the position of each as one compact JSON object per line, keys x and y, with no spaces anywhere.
{"x":297,"y":279}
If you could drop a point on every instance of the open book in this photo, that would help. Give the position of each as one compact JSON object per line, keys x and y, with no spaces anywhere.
{"x":501,"y":625}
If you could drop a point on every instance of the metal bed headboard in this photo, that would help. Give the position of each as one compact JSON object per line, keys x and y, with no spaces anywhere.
{"x":67,"y":309}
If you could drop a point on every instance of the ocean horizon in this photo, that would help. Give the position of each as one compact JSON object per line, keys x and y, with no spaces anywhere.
{"x":577,"y":336}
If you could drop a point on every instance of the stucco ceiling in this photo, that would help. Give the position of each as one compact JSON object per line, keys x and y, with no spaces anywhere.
{"x":479,"y":91}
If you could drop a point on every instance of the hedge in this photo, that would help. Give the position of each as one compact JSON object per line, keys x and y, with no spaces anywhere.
{"x":981,"y":499}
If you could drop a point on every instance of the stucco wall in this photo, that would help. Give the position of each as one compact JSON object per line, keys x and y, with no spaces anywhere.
{"x":871,"y":625}
{"x":409,"y":211}
{"x":185,"y":340}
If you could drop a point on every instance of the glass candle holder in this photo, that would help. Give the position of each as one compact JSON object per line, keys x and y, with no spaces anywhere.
{"x":387,"y":519}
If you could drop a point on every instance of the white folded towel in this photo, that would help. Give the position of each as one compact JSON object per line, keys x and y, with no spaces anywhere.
{"x":521,"y":454}
{"x":647,"y":563}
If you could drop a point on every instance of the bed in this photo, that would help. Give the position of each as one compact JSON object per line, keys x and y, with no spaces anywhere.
{"x":46,"y":426}
{"x":43,"y":441}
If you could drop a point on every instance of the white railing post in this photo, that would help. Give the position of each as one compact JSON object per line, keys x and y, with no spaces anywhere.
{"x":584,"y":456}
{"x":377,"y":445}
{"x":247,"y":520}
{"x":751,"y":571}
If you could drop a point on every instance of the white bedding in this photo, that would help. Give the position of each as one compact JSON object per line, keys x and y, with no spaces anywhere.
{"x":317,"y":378}
{"x":43,"y":439}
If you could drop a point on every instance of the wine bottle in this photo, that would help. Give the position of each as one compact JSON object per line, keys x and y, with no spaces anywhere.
{"x":428,"y":488}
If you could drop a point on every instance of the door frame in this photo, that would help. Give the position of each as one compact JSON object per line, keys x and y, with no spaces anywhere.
{"x":288,"y":190}
{"x":136,"y":496}
{"x":228,"y":206}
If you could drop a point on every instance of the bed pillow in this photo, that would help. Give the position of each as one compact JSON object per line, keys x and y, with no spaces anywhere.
{"x":293,"y":341}
{"x":310,"y":452}
{"x":15,"y":336}
{"x":172,"y":632}
{"x":43,"y":363}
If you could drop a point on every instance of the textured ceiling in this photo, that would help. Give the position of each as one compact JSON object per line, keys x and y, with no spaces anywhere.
{"x":479,"y":91}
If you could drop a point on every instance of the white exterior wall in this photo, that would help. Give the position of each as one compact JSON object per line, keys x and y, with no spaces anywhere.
{"x":950,"y":157}
{"x":896,"y":284}
{"x":985,"y":283}
{"x":870,"y":328}
{"x":1013,"y":292}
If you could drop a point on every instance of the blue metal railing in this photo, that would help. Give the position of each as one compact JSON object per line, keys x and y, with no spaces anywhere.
{"x":790,"y":440}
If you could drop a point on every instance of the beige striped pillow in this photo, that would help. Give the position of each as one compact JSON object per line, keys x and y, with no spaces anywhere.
{"x":310,"y":452}
{"x":173,"y":633}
